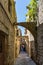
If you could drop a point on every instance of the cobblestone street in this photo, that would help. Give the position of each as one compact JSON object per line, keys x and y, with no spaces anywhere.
{"x":23,"y":59}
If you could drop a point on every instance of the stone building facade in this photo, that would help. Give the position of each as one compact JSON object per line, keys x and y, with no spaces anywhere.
{"x":40,"y":34}
{"x":7,"y":31}
{"x":31,"y":43}
{"x":17,"y":41}
{"x":39,"y":42}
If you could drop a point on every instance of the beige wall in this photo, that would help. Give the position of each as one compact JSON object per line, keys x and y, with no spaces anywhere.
{"x":5,"y":4}
{"x":18,"y":46}
{"x":7,"y":27}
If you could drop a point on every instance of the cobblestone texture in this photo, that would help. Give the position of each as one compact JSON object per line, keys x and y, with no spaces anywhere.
{"x":23,"y":59}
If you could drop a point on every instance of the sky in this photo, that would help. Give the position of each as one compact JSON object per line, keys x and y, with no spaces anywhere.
{"x":21,"y":11}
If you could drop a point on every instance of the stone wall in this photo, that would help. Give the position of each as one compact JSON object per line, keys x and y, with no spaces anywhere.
{"x":7,"y":27}
{"x":5,"y":4}
{"x":33,"y":51}
{"x":40,"y":35}
{"x":40,"y":44}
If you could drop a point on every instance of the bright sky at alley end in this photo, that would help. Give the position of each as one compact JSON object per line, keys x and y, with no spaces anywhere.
{"x":21,"y":11}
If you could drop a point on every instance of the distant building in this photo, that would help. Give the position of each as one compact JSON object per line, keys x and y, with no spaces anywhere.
{"x":22,"y":40}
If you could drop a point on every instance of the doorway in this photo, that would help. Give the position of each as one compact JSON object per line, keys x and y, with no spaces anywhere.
{"x":2,"y":47}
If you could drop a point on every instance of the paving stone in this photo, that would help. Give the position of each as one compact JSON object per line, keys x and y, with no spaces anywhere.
{"x":23,"y":59}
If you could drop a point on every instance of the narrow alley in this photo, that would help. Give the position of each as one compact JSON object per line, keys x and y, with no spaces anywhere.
{"x":23,"y":59}
{"x":21,"y":32}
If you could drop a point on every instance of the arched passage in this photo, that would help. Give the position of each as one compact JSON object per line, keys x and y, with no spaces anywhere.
{"x":31,"y":26}
{"x":24,"y":43}
{"x":23,"y":47}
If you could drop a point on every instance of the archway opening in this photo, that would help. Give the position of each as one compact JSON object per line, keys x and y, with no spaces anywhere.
{"x":23,"y":47}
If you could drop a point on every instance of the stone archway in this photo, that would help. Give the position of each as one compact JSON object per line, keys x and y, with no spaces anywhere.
{"x":31,"y":26}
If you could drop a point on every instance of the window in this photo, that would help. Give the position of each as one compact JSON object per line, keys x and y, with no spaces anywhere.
{"x":9,"y":6}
